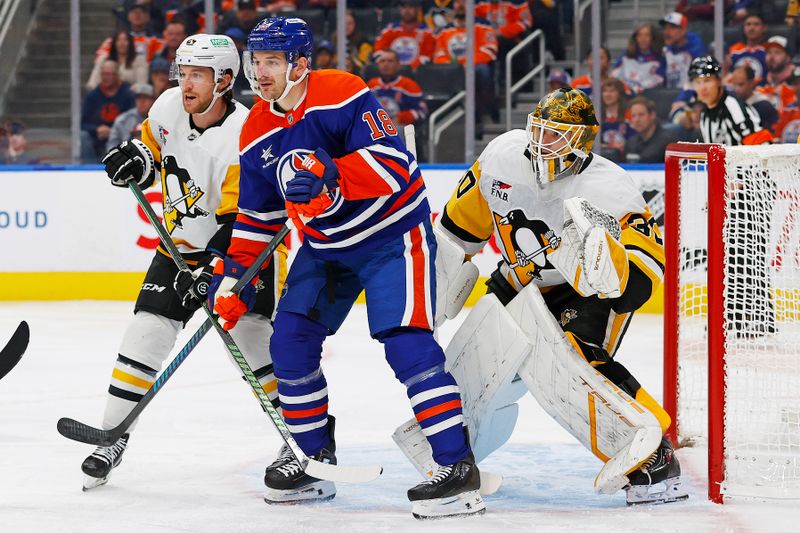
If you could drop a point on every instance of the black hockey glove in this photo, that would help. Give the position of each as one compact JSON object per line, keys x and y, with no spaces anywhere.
{"x":130,"y":161}
{"x":192,"y":287}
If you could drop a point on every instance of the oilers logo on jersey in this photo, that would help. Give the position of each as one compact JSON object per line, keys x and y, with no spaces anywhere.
{"x":181,"y":194}
{"x":288,"y":165}
{"x":407,"y":49}
{"x":527,"y":241}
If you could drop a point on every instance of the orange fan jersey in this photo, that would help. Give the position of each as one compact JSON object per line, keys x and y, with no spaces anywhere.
{"x":509,"y":18}
{"x":452,"y":41}
{"x":413,"y":46}
{"x":780,"y":96}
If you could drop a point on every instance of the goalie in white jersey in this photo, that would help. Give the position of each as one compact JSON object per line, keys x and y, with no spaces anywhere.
{"x":573,"y":224}
{"x":190,"y":143}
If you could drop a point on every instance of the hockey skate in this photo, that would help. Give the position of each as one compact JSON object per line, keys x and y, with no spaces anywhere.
{"x":287,"y":482}
{"x":658,"y":480}
{"x":454,"y":490}
{"x":103,"y":460}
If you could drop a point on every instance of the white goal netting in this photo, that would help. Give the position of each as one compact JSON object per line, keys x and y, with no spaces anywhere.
{"x":761,"y":323}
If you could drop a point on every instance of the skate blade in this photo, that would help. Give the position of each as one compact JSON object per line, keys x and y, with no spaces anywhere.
{"x":319,"y":491}
{"x":668,"y":491}
{"x":90,"y":482}
{"x":464,"y":504}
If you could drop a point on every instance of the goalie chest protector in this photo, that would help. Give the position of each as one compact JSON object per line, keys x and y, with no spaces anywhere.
{"x":528,"y":218}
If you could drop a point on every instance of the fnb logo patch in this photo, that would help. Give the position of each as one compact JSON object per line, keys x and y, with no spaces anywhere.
{"x":500,"y":190}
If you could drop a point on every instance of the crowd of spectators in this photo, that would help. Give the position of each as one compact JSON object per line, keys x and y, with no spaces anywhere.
{"x":648,"y":100}
{"x":396,"y":45}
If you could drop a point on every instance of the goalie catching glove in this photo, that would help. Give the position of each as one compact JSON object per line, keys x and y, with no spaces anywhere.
{"x":130,"y":161}
{"x":228,"y":305}
{"x":590,"y":256}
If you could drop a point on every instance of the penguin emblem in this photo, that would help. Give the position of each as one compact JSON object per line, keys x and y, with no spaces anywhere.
{"x":526,"y":243}
{"x":181,"y":194}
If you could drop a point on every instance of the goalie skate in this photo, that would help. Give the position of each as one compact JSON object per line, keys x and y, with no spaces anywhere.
{"x":454,"y":490}
{"x":103,"y":460}
{"x":658,"y":480}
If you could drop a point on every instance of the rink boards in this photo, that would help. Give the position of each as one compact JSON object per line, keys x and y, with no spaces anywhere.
{"x":67,"y":235}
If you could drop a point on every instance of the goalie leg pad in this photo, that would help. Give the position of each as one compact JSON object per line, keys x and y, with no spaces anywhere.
{"x":483,"y":357}
{"x":611,"y":424}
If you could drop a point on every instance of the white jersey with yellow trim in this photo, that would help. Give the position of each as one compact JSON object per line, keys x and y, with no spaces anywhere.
{"x":500,"y":195}
{"x":199,"y":169}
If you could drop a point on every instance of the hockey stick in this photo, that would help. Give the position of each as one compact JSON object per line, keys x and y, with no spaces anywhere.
{"x":13,"y":350}
{"x":78,"y":431}
{"x":490,"y":482}
{"x":314,"y":468}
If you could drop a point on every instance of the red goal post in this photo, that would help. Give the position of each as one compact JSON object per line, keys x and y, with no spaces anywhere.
{"x":731,"y":311}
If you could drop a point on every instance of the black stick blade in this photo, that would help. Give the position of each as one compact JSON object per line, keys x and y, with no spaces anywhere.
{"x":12,"y":352}
{"x":78,"y":431}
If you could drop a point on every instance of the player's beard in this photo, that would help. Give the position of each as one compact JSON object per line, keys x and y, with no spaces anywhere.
{"x":198,"y":104}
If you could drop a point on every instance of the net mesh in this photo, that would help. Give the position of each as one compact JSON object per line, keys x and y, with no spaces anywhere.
{"x":762,"y":317}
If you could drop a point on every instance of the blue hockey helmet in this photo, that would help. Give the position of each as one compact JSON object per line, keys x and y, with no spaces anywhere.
{"x":280,"y":34}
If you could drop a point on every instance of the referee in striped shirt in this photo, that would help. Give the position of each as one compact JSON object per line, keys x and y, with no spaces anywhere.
{"x":727,"y":120}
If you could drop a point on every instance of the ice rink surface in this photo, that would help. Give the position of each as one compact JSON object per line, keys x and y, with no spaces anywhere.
{"x":196,"y":460}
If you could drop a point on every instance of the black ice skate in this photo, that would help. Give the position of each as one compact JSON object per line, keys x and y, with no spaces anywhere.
{"x":287,"y":482}
{"x":658,"y":480}
{"x":103,"y":460}
{"x":454,"y":490}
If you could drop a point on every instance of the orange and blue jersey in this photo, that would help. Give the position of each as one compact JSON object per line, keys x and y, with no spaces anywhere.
{"x":753,"y":56}
{"x":401,"y":98}
{"x":509,"y":18}
{"x":452,"y":43}
{"x":381,"y":194}
{"x":781,"y":96}
{"x":413,"y":46}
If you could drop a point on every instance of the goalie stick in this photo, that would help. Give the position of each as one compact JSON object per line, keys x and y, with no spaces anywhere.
{"x":314,"y":468}
{"x":14,"y":348}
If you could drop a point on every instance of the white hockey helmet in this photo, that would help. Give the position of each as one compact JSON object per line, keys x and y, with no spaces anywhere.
{"x":217,"y":52}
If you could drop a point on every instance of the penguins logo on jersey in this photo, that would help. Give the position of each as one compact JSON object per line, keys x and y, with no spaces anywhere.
{"x":567,"y":316}
{"x":181,"y":194}
{"x":526,"y":244}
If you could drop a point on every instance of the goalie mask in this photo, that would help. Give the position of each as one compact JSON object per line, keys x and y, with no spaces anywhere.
{"x":561,"y":132}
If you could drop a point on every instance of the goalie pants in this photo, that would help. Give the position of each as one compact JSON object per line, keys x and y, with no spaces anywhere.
{"x":400,"y":285}
{"x":158,"y":319}
{"x":595,"y":330}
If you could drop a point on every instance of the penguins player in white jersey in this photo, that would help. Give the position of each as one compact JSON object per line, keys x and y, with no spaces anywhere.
{"x":574,"y":224}
{"x":190,"y":144}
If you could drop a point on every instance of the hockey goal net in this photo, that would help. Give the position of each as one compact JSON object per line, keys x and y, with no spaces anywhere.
{"x":732,"y":313}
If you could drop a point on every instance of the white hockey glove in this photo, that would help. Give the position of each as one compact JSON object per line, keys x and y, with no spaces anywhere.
{"x":590,"y":256}
{"x":130,"y":161}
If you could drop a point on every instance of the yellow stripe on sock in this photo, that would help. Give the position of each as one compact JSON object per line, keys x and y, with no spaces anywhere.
{"x":270,"y":386}
{"x":130,"y":379}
